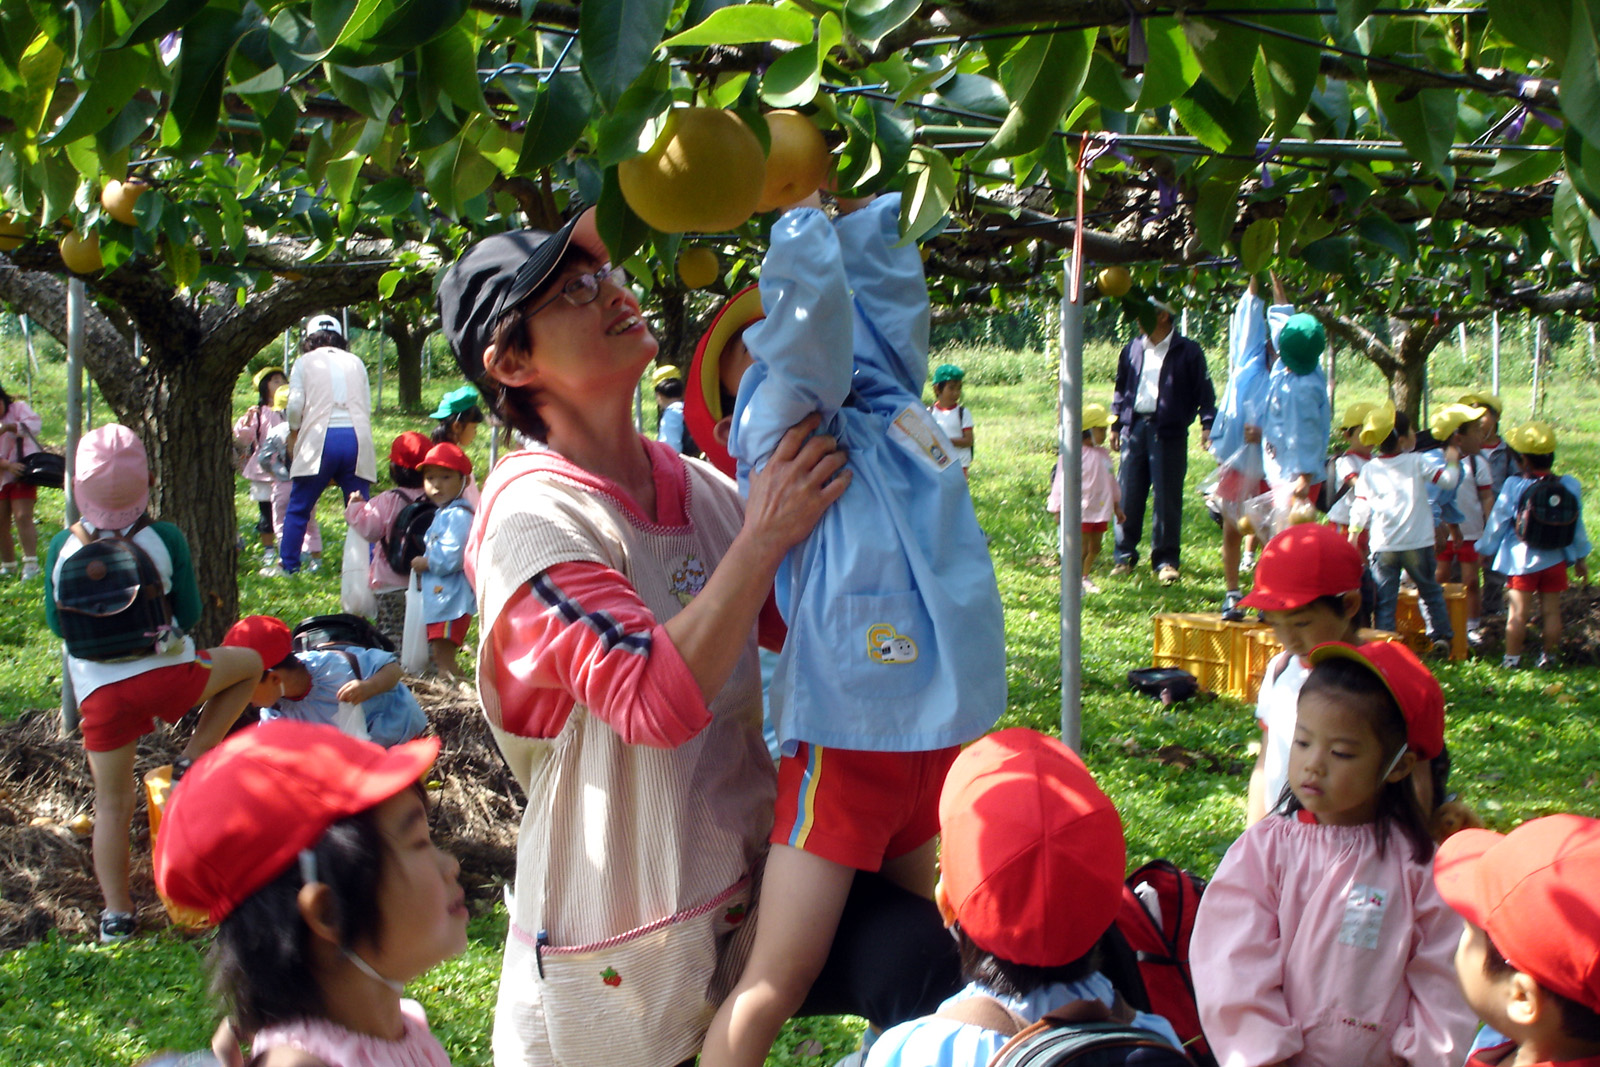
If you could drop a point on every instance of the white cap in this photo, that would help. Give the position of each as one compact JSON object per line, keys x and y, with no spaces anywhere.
{"x":324,"y":322}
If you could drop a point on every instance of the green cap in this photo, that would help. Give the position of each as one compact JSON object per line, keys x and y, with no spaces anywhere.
{"x":1301,"y":342}
{"x":947,"y":372}
{"x":455,"y":402}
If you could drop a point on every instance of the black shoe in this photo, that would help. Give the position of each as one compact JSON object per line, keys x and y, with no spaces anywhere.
{"x":1231,"y":611}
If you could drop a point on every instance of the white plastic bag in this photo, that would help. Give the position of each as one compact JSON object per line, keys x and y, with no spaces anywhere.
{"x":355,"y":593}
{"x":414,"y":642}
{"x":352,"y":719}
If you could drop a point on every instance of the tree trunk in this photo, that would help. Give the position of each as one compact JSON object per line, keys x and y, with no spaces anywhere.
{"x":674,"y":329}
{"x":1414,"y":342}
{"x":408,"y":354}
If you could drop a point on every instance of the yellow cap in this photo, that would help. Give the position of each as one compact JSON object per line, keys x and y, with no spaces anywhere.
{"x":280,"y":399}
{"x":1378,"y":425}
{"x":1532,"y":438}
{"x":1450,"y":418}
{"x":1096,"y":417}
{"x":1355,"y":414}
{"x":665,"y":373}
{"x":1483,"y":400}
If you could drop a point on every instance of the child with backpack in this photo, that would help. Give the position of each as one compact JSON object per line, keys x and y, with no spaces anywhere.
{"x":1472,"y":500}
{"x":310,"y":851}
{"x":949,"y":414}
{"x":1030,"y":883}
{"x":120,"y":591}
{"x":356,"y":689}
{"x":446,"y":593}
{"x":1533,"y":534}
{"x":1321,"y":940}
{"x":395,"y":521}
{"x":249,"y":434}
{"x":1529,"y":962}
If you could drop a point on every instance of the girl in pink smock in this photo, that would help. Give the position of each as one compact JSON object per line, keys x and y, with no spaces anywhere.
{"x":1322,"y":942}
{"x":375,"y":520}
{"x":1102,"y":496}
{"x":310,"y":851}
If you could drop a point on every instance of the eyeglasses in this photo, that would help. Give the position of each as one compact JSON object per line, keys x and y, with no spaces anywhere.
{"x":584,"y":288}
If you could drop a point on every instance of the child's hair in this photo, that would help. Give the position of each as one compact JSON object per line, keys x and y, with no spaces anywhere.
{"x":1538,"y":461}
{"x":1578,"y":1021}
{"x":5,"y":400}
{"x":672,"y":389}
{"x":446,"y":430}
{"x":1010,"y":979}
{"x":1088,"y":436}
{"x":405,"y":477}
{"x":1397,"y":801}
{"x":262,"y":394}
{"x":1402,"y":426}
{"x":291,"y":662}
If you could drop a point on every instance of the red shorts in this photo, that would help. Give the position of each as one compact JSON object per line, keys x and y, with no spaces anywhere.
{"x":19,"y":491}
{"x":1231,"y":486}
{"x":1460,"y":551}
{"x":120,"y":713}
{"x":1549,"y":580}
{"x":868,"y":807}
{"x":1095,"y":527}
{"x":454,"y":631}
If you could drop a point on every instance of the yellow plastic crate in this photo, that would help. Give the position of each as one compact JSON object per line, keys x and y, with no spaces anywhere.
{"x":1265,"y":645}
{"x":1217,"y":653}
{"x":1408,"y":619}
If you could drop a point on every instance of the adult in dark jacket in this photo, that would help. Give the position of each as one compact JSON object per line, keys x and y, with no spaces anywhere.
{"x":1162,"y":384}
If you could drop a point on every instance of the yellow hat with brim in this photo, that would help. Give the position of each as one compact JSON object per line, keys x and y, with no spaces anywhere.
{"x":1378,"y":425}
{"x":1483,"y":400}
{"x":1097,"y":417}
{"x":665,"y":374}
{"x":702,"y":401}
{"x":1450,"y":418}
{"x":280,"y":399}
{"x":263,"y":374}
{"x":1532,"y":438}
{"x":1356,"y":414}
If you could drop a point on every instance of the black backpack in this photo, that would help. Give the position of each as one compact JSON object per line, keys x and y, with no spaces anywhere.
{"x":408,"y":535}
{"x":336,"y":631}
{"x":1547,"y":514}
{"x":1081,"y":1034}
{"x":109,"y":600}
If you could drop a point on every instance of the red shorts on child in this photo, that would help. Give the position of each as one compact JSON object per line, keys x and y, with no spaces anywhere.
{"x":1231,"y":486}
{"x":1095,"y":527}
{"x":120,"y":713}
{"x":19,"y":491}
{"x":1460,"y":551}
{"x":859,"y":808}
{"x":454,"y":631}
{"x":1549,"y":580}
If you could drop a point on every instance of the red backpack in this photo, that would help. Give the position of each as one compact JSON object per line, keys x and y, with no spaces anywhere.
{"x":1160,"y":950}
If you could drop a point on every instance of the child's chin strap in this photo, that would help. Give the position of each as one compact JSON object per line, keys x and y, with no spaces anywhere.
{"x":308,"y":874}
{"x":1384,"y":777}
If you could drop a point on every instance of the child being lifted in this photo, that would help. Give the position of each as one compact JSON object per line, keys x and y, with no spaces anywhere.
{"x":895,"y":653}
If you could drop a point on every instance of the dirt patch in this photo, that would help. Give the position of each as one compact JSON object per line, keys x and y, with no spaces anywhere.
{"x":1580,"y":640}
{"x":46,"y":871}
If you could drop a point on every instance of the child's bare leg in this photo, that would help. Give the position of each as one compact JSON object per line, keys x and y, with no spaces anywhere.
{"x":802,"y":897}
{"x":113,"y":816}
{"x":444,"y":657}
{"x":1521,"y":603}
{"x":1091,"y":550}
{"x":917,"y":870}
{"x":1550,"y":622}
{"x":234,"y":674}
{"x":1469,"y":578}
{"x":8,"y":548}
{"x":1232,"y":547}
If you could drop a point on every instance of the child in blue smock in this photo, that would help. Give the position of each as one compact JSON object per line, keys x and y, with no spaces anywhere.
{"x":446,"y":595}
{"x":1296,"y":417}
{"x":1236,"y":432}
{"x":310,"y":686}
{"x":895,"y":653}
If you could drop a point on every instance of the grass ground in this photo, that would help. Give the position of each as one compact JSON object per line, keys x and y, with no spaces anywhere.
{"x":1521,"y":749}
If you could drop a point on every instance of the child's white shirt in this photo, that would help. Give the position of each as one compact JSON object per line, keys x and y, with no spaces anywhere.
{"x":1345,"y":467}
{"x":1277,"y":710}
{"x":1392,"y":499}
{"x":1475,"y":475}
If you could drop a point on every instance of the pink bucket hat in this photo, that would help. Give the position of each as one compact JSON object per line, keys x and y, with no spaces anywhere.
{"x":111,"y":477}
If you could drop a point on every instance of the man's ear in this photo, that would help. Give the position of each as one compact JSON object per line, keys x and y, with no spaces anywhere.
{"x":508,"y":368}
{"x":723,"y":430}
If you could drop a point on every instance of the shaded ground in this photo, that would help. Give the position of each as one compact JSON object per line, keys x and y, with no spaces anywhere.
{"x":46,"y":874}
{"x":1580,"y":641}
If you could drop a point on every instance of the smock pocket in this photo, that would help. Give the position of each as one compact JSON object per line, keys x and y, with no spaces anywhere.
{"x":880,"y":645}
{"x":640,"y":999}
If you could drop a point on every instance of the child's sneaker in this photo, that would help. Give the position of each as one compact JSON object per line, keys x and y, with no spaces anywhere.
{"x":1231,"y":611}
{"x":1510,"y":663}
{"x":1089,"y":586}
{"x":116,"y":927}
{"x":30,"y":569}
{"x":272,"y":570}
{"x":1439,"y":649}
{"x":1247,"y":563}
{"x":1547,"y":662}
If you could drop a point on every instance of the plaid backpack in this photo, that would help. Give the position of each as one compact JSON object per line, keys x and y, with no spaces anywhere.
{"x":1547,"y":514}
{"x":1083,"y":1033}
{"x":110,"y":598}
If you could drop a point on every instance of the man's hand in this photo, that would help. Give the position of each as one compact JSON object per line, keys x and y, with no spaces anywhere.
{"x":1582,"y":569}
{"x":1205,"y":438}
{"x":1122,"y":516}
{"x":1302,"y":487}
{"x":1114,"y":439}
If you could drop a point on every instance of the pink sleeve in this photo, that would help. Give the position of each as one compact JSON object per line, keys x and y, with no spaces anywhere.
{"x":1438,"y":1025}
{"x":1236,"y":953}
{"x":577,"y":633}
{"x":372,"y":518}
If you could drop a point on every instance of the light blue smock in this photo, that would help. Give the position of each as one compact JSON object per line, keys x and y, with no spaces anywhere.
{"x":1295,"y":422}
{"x":1510,"y":553}
{"x":1443,"y":503}
{"x":896,"y":641}
{"x":392,"y":717}
{"x":1247,"y":377}
{"x":670,"y":428}
{"x":446,"y":594}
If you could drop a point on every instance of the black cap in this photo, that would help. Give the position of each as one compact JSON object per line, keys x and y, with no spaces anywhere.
{"x":491,"y":278}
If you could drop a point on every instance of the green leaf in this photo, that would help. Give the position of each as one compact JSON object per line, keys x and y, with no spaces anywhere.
{"x":1583,"y":168}
{"x":976,"y":92}
{"x":1383,"y":232}
{"x":621,"y":231}
{"x":369,"y":90}
{"x":1541,"y":26}
{"x":155,"y":19}
{"x":1107,"y":84}
{"x":930,"y":189}
{"x":1569,"y":222}
{"x":1226,"y":53}
{"x":1221,"y":123}
{"x":1353,"y":12}
{"x":412,"y":24}
{"x":208,"y":41}
{"x":450,"y":63}
{"x":1331,"y":255}
{"x":39,"y":68}
{"x":1524,"y":168}
{"x":1042,"y":79}
{"x":1292,"y":70}
{"x":793,"y":78}
{"x":1173,"y":66}
{"x":118,"y":74}
{"x":871,"y":20}
{"x":455,"y":172}
{"x":893,"y":130}
{"x":389,"y":197}
{"x":1580,"y":77}
{"x":1256,"y":247}
{"x":618,"y":135}
{"x":1425,"y":123}
{"x":1216,"y":208}
{"x":559,"y":115}
{"x":618,"y":38}
{"x":388,"y":281}
{"x":746,"y":24}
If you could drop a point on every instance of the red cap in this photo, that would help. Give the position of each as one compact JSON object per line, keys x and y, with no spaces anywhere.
{"x":409,"y":448}
{"x":1411,"y":684}
{"x":1536,"y":893}
{"x":702,"y":394}
{"x":247,"y":808}
{"x":448,"y":456}
{"x":266,"y":634}
{"x":1032,"y":851}
{"x":1301,"y":564}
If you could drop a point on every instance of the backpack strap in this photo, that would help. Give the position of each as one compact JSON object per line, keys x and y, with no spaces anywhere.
{"x":81,"y":532}
{"x":986,"y":1012}
{"x":350,"y":658}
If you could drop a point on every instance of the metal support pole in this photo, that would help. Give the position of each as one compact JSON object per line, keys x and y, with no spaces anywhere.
{"x":1494,"y":352}
{"x":1331,"y":371}
{"x":77,"y":297}
{"x":379,"y":408}
{"x":288,"y":356}
{"x":1069,"y":410}
{"x":1461,"y":340}
{"x":33,"y":362}
{"x":1538,"y":357}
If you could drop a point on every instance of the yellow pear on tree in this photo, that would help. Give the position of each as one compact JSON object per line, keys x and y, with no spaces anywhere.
{"x":702,"y":175}
{"x":698,"y":267}
{"x":797,"y":163}
{"x":119,"y":198}
{"x":11,"y":233}
{"x":1114,"y":281}
{"x":81,"y":254}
